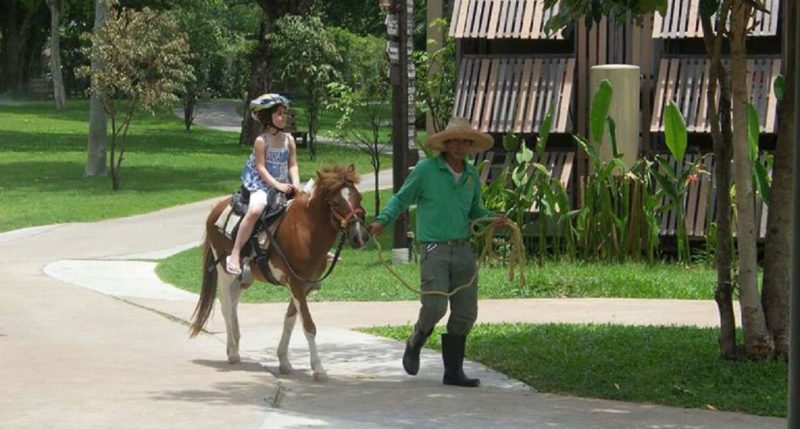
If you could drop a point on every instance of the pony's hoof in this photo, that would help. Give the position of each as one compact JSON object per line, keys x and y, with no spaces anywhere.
{"x":320,"y":377}
{"x":286,"y":368}
{"x":234,"y":359}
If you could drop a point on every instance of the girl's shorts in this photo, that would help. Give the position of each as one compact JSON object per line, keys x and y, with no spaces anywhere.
{"x":258,"y":197}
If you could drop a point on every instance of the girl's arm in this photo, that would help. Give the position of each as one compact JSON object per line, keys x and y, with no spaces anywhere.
{"x":259,"y":151}
{"x":294,"y":170}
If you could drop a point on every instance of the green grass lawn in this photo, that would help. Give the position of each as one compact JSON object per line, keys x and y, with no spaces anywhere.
{"x":359,"y":277}
{"x":328,"y":119}
{"x":676,"y":366}
{"x":43,"y":155}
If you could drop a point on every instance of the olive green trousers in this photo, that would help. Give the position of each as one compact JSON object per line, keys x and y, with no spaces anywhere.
{"x":444,"y":267}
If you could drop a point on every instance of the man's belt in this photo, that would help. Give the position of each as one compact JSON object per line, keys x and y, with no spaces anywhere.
{"x":452,"y":243}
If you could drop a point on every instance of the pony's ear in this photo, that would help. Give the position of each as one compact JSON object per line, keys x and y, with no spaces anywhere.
{"x":351,"y":168}
{"x":319,"y":176}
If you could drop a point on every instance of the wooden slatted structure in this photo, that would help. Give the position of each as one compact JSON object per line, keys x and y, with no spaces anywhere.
{"x":685,"y":79}
{"x":682,"y":20}
{"x":501,"y":19}
{"x":501,"y":94}
{"x":700,"y":203}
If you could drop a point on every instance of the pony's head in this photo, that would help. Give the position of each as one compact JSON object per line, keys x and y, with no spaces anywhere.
{"x":338,"y":186}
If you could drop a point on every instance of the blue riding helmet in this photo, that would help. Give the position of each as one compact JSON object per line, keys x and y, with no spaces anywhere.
{"x":268,"y":100}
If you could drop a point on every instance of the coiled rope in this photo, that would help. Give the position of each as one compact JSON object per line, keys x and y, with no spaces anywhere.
{"x":485,"y":233}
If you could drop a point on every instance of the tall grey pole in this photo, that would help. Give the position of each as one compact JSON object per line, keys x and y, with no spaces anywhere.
{"x":794,"y":330}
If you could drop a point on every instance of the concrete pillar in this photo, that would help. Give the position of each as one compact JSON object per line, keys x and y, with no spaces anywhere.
{"x":624,"y":108}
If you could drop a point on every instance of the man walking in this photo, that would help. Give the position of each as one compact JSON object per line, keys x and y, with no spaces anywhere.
{"x":447,"y":192}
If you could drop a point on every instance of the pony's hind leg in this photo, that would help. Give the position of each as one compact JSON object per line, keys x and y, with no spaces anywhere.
{"x":310,"y":329}
{"x":283,"y":347}
{"x":230,"y":291}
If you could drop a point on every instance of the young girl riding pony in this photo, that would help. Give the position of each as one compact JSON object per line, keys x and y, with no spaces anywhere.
{"x":271,"y":168}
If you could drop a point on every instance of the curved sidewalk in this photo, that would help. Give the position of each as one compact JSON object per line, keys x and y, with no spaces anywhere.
{"x":72,"y":357}
{"x":89,"y":337}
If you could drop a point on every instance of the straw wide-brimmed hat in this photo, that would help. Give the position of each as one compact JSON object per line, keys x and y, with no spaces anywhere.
{"x":458,"y":129}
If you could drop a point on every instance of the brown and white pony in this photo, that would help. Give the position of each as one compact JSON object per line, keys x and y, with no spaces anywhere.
{"x":306,"y":233}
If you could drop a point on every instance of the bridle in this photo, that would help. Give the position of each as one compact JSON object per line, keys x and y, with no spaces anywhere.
{"x":353,"y":215}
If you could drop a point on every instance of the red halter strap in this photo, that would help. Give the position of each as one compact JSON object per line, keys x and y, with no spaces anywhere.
{"x":347,"y":219}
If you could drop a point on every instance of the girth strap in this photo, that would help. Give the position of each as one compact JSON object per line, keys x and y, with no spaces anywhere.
{"x":261,"y":260}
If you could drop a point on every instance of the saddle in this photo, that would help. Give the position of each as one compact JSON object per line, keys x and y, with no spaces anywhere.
{"x":258,"y":244}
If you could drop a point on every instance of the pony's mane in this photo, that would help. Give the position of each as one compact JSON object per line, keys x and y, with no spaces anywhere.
{"x":331,"y":179}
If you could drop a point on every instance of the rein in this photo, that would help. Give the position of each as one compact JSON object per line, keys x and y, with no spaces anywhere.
{"x":485,"y":233}
{"x":344,"y":221}
{"x":294,"y":274}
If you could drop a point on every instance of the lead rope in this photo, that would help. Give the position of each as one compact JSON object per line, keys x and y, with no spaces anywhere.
{"x":486,"y":233}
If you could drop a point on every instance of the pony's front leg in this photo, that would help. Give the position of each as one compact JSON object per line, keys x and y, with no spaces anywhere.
{"x":283,"y":347}
{"x":311,"y":332}
{"x":230,"y":291}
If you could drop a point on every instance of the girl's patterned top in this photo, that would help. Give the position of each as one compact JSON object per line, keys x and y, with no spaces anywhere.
{"x":277,"y":164}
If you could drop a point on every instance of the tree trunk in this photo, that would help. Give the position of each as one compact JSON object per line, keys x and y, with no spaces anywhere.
{"x":260,"y":77}
{"x":96,"y":153}
{"x":59,"y":95}
{"x":778,"y":242}
{"x":9,"y":63}
{"x":259,"y":83}
{"x":189,"y":108}
{"x":721,"y":136}
{"x":32,"y":40}
{"x":758,"y":342}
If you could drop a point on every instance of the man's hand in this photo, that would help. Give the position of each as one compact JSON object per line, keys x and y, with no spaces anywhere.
{"x":375,"y":228}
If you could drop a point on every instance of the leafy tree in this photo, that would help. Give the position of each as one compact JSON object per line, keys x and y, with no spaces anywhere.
{"x":361,"y":57}
{"x":145,"y":62}
{"x":307,"y":56}
{"x":591,"y":11}
{"x":24,"y":26}
{"x":436,"y":90}
{"x":759,"y":340}
{"x":358,"y":16}
{"x":59,"y":94}
{"x":362,"y":96}
{"x":349,"y":102}
{"x":262,"y":58}
{"x":202,"y":22}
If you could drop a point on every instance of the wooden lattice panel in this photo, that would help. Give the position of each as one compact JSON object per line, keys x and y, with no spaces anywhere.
{"x":501,"y":19}
{"x":700,"y":203}
{"x":685,"y":81}
{"x":502,"y":94}
{"x":682,"y":20}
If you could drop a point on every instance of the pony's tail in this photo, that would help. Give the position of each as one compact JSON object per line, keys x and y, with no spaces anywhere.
{"x":208,"y":293}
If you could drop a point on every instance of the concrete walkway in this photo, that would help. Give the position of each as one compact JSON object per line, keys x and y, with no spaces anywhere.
{"x":89,"y":337}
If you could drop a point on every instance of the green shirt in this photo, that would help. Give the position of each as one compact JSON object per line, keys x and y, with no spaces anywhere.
{"x":444,"y":208}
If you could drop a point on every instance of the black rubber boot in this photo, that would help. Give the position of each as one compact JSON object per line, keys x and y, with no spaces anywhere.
{"x":413,"y":346}
{"x":453,"y":358}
